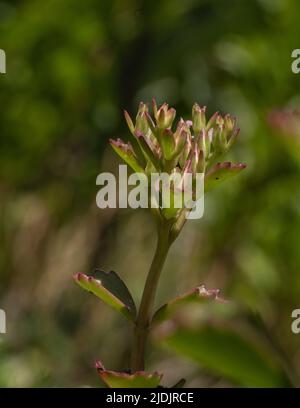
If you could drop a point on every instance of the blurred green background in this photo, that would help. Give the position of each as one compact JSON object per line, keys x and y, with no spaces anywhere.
{"x":72,"y":66}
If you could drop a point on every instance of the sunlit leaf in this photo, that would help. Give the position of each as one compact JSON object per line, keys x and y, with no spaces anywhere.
{"x":109,"y":288}
{"x":197,"y":295}
{"x":125,"y":151}
{"x":221,"y":172}
{"x":116,"y":379}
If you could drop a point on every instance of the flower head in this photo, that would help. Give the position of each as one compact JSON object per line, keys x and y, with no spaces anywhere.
{"x":201,"y":141}
{"x":190,"y":146}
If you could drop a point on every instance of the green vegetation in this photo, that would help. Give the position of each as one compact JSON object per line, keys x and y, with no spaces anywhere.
{"x":72,"y":66}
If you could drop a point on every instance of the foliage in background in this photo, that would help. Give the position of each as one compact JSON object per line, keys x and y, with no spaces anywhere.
{"x":71,"y":68}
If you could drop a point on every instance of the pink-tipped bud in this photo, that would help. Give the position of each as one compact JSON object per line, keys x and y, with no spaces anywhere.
{"x":212,"y":121}
{"x":229,"y":122}
{"x":154,"y":108}
{"x":142,"y":108}
{"x":142,"y":123}
{"x":129,"y":121}
{"x":165,"y":116}
{"x":199,"y":119}
{"x":219,"y":120}
{"x":202,"y":142}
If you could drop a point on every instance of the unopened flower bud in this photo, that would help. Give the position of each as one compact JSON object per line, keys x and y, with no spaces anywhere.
{"x":164,"y":116}
{"x":147,"y":150}
{"x":219,"y":140}
{"x":141,"y":123}
{"x":194,"y":156}
{"x":194,"y":147}
{"x":167,"y":142}
{"x":199,"y":119}
{"x":212,"y":121}
{"x":201,"y":162}
{"x":185,"y":151}
{"x":229,"y":122}
{"x":219,"y":120}
{"x":201,"y":141}
{"x":125,"y":151}
{"x":129,"y":121}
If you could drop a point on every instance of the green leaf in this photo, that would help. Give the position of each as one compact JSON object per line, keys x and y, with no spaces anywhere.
{"x":109,"y":288}
{"x":126,"y":153}
{"x":116,"y":379}
{"x":221,"y":172}
{"x":169,"y":210}
{"x":198,"y":295}
{"x":227,"y":353}
{"x":179,"y":384}
{"x":167,"y":143}
{"x":151,"y":157}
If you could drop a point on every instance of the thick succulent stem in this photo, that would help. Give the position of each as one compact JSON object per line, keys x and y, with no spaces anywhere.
{"x":142,"y":325}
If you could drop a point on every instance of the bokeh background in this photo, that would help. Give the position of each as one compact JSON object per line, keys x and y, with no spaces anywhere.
{"x":72,"y":66}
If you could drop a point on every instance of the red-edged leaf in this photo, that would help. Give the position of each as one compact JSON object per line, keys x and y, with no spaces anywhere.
{"x":117,"y":379}
{"x":109,"y":288}
{"x":221,"y":172}
{"x":198,"y":295}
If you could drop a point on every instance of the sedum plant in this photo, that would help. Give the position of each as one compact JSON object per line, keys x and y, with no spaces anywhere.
{"x":159,"y":144}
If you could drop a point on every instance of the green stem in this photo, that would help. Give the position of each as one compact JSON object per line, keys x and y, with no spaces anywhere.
{"x":143,"y":320}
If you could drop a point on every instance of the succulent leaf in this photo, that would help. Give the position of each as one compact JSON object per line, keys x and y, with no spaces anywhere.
{"x":116,"y":379}
{"x":110,"y":289}
{"x":221,"y":172}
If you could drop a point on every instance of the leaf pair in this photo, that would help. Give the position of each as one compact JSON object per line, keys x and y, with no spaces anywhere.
{"x":217,"y":345}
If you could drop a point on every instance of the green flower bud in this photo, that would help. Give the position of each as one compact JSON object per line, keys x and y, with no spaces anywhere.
{"x":186,"y":150}
{"x":129,"y":121}
{"x":194,"y":157}
{"x":219,"y":120}
{"x":208,"y":136}
{"x":200,"y":140}
{"x":194,"y":147}
{"x":167,"y":142}
{"x":212,"y":121}
{"x":125,"y":151}
{"x":141,"y":123}
{"x":229,"y":122}
{"x":219,"y":140}
{"x":201,"y":162}
{"x":180,"y":141}
{"x":232,"y":137}
{"x":199,"y":119}
{"x":164,"y":116}
{"x":147,"y":150}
